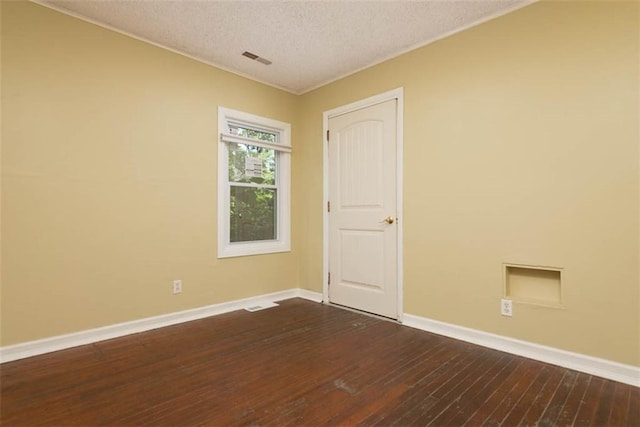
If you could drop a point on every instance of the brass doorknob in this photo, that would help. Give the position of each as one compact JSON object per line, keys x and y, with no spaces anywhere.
{"x":388,"y":220}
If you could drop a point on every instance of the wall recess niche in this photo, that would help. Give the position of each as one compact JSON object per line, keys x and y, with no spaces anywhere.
{"x":533,"y":284}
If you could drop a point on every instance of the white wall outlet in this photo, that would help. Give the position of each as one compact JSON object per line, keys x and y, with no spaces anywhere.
{"x":177,"y":286}
{"x":506,"y":307}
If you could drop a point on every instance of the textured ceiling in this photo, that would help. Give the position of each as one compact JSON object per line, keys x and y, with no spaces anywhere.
{"x":310,"y":43}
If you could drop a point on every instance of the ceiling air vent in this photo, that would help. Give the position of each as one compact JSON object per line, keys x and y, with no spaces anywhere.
{"x":255,"y":57}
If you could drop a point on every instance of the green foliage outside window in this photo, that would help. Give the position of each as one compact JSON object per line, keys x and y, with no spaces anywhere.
{"x":253,"y":214}
{"x":259,"y":135}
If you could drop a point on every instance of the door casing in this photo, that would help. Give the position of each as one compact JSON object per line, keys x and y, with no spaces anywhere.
{"x":397,"y":94}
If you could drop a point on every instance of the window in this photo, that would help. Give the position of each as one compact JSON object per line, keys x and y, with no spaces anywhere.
{"x":254,"y":162}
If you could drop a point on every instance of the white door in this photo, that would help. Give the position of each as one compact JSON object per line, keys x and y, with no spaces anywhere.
{"x":362,"y":214}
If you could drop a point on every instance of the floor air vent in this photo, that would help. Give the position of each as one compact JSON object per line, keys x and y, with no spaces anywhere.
{"x":262,"y":306}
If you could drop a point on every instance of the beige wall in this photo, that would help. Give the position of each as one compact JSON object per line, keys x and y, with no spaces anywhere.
{"x":521,"y":146}
{"x":109,"y":178}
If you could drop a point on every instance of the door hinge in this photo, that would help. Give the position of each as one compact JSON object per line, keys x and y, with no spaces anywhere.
{"x":329,"y":279}
{"x":328,"y":206}
{"x":327,"y":135}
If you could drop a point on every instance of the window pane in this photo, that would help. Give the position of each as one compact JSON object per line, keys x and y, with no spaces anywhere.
{"x":260,"y":135}
{"x":253,"y":214}
{"x":252,"y":164}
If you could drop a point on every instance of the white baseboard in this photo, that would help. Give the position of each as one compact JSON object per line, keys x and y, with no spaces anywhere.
{"x":47,"y":345}
{"x":309,"y":295}
{"x":600,"y":367}
{"x":627,"y":374}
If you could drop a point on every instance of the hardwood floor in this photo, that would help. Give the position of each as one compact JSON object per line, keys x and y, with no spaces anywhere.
{"x":302,"y":363}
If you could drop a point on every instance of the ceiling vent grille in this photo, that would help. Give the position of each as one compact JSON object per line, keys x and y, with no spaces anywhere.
{"x":255,"y":57}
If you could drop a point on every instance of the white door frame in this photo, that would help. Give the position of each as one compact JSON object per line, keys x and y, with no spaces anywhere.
{"x":376,"y":99}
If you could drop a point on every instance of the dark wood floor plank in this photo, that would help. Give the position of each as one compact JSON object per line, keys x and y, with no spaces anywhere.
{"x":536,"y":408}
{"x":441,"y":357}
{"x":558,"y":399}
{"x":514,"y":395}
{"x":633,"y":415}
{"x":388,"y":356}
{"x":518,"y":410}
{"x":451,"y":395}
{"x":421,"y":396}
{"x":570,"y":409}
{"x":588,"y":406}
{"x":604,"y":406}
{"x":402,"y":383}
{"x":620,"y":406}
{"x":435,"y":371}
{"x":479,"y":394}
{"x":497,"y":395}
{"x":301,"y":363}
{"x":354,"y":390}
{"x":326,"y":352}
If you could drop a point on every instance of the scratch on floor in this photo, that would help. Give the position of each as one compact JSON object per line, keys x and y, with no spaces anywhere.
{"x":339,"y":383}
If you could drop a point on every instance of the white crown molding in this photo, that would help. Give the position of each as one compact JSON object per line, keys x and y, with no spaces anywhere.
{"x":300,"y":91}
{"x":615,"y":371}
{"x":47,"y":345}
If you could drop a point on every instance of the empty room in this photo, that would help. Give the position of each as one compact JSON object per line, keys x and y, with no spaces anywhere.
{"x":320,"y":212}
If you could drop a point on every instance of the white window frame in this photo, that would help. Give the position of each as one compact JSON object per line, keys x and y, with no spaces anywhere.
{"x":282,"y":243}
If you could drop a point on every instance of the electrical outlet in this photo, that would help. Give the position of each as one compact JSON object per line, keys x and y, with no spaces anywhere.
{"x":506,"y":307}
{"x":177,"y":286}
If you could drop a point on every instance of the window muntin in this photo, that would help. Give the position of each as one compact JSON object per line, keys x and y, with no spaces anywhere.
{"x":254,"y":187}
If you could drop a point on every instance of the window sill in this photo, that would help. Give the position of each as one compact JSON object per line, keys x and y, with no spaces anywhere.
{"x":252,"y":248}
